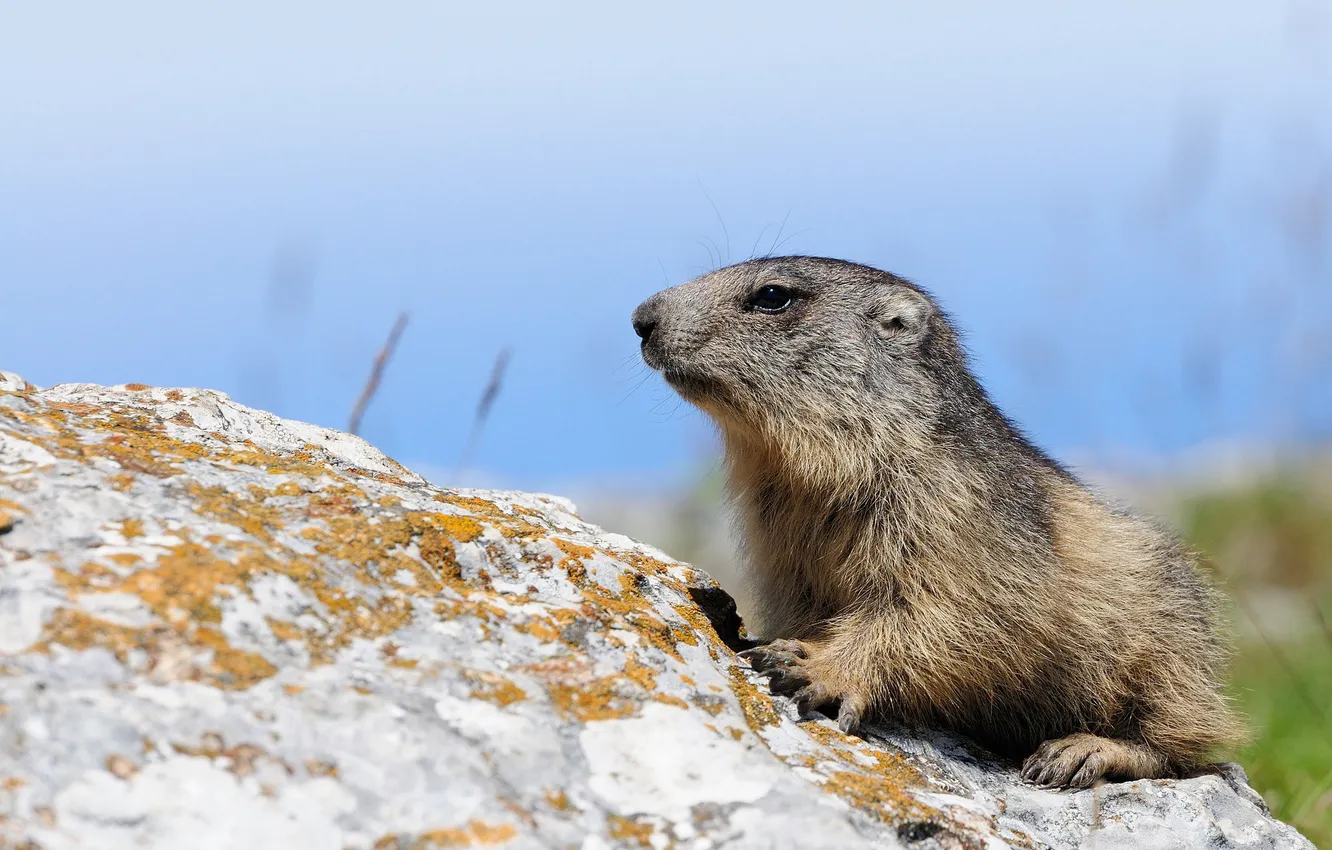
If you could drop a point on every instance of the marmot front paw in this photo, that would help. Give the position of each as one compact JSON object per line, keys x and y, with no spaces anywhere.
{"x":803,"y":671}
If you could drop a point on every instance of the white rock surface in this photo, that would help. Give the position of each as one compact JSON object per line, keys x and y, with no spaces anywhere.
{"x":224,"y":629}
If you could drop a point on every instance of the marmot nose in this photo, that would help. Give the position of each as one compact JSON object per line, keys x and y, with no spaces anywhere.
{"x":645,"y":320}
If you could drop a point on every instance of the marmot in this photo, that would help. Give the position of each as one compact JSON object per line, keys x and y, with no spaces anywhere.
{"x":913,"y":555}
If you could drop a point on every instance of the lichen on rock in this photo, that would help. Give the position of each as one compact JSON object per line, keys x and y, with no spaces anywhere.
{"x":226,"y":629}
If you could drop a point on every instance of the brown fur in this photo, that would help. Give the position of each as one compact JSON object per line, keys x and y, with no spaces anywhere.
{"x":913,"y":556}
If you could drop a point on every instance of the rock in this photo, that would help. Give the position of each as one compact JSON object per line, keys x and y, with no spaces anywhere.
{"x":224,"y":629}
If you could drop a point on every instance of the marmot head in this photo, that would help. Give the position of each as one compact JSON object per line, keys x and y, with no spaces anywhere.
{"x":800,"y":350}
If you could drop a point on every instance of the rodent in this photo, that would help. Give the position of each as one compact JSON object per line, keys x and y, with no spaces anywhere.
{"x":913,"y":555}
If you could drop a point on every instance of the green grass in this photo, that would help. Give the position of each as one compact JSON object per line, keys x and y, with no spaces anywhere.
{"x":1290,"y":759}
{"x":1272,"y":540}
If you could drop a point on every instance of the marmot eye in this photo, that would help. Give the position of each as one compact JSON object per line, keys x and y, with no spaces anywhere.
{"x":771,"y":299}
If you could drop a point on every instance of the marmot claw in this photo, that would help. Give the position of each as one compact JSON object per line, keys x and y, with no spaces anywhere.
{"x":791,"y":672}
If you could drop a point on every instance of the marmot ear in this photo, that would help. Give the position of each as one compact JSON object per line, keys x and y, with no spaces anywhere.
{"x":901,"y":313}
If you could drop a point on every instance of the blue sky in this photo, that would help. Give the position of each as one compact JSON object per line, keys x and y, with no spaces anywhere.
{"x":1126,"y":208}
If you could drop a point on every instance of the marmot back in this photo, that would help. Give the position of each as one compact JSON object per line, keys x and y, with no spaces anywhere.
{"x":913,"y":555}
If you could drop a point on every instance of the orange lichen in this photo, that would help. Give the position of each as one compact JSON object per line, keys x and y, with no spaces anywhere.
{"x":510,"y":525}
{"x":288,"y":488}
{"x":559,"y":800}
{"x":12,"y":507}
{"x":183,"y":583}
{"x":756,"y":707}
{"x":376,"y":548}
{"x":640,"y":674}
{"x":645,"y":564}
{"x":493,"y":687}
{"x":599,"y":699}
{"x":576,"y":692}
{"x":474,"y":833}
{"x":248,"y":513}
{"x":183,"y":589}
{"x":630,"y":609}
{"x":167,"y":648}
{"x":880,"y":789}
{"x":699,"y":625}
{"x":624,"y":829}
{"x":136,"y":440}
{"x":284,"y":630}
{"x":93,"y":576}
{"x":461,"y":528}
{"x":528,"y":512}
{"x":238,"y":669}
{"x":393,"y":659}
{"x":547,"y":628}
{"x":879,"y":796}
{"x":78,"y":630}
{"x":307,"y":461}
{"x":9,"y":514}
{"x":478,"y":606}
{"x":573,"y":562}
{"x":340,"y":500}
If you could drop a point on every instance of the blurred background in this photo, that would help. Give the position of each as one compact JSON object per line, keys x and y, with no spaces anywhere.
{"x":1127,"y":207}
